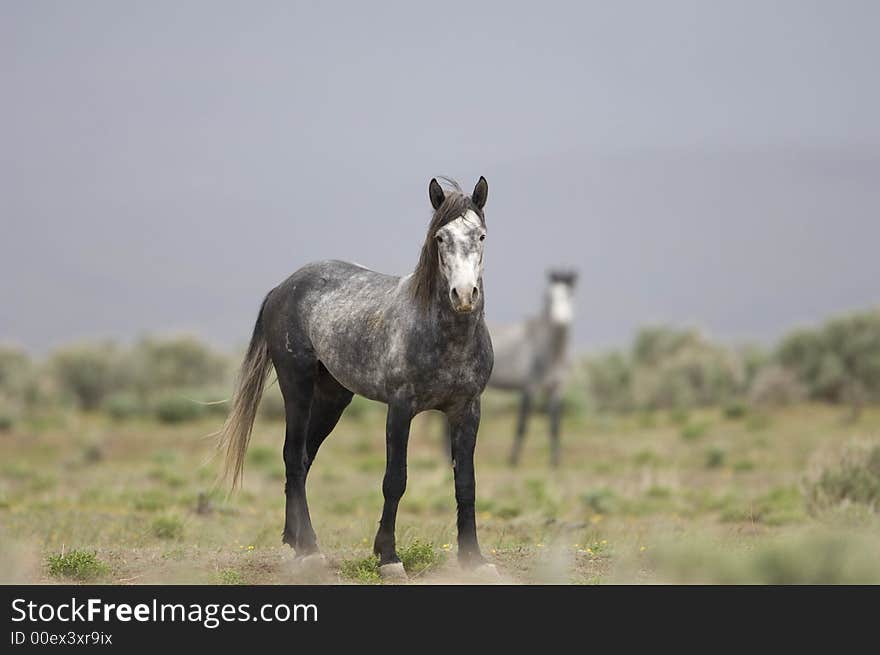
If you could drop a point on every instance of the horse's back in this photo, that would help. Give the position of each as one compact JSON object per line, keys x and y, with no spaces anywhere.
{"x":334,"y":311}
{"x":513,"y":355}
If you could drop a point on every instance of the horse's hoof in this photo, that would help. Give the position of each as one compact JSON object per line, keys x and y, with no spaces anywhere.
{"x":487,"y":572}
{"x":392,"y":571}
{"x":313,"y":562}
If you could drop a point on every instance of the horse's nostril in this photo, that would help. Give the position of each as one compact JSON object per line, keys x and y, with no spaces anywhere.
{"x":476,"y":293}
{"x":455,"y":294}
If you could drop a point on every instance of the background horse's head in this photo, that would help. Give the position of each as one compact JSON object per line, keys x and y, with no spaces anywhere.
{"x":560,"y":296}
{"x":451,"y":264}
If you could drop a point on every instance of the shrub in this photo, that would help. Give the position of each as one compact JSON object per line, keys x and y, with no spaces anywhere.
{"x":15,"y":371}
{"x":7,"y":420}
{"x":696,"y":374}
{"x":419,"y":556}
{"x":123,"y":405}
{"x":600,"y":501}
{"x":609,"y":382}
{"x":88,"y":372}
{"x":176,"y":408}
{"x":777,"y":507}
{"x":175,"y":363}
{"x":167,"y":527}
{"x":735,"y":410}
{"x":213,"y":401}
{"x":839,"y":360}
{"x":150,"y":501}
{"x":364,"y":570}
{"x":715,"y":458}
{"x":657,"y":343}
{"x":693,"y":431}
{"x":775,"y":386}
{"x":856,"y":479}
{"x":230,"y":577}
{"x":76,"y":564}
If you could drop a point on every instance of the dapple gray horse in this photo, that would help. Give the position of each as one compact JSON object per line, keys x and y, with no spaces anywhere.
{"x":333,"y":329}
{"x":532,"y":357}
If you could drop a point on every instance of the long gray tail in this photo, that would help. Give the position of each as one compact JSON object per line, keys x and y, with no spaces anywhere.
{"x":236,"y":432}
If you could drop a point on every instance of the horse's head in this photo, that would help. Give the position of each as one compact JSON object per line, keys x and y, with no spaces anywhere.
{"x":560,"y":296}
{"x":452,"y":257}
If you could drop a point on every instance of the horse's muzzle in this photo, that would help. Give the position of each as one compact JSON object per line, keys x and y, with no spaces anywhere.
{"x":464,"y":300}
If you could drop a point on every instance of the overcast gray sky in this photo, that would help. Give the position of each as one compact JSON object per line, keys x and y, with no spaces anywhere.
{"x":164,"y":164}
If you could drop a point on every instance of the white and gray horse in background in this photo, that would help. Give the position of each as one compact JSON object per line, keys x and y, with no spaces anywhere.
{"x":531,"y":357}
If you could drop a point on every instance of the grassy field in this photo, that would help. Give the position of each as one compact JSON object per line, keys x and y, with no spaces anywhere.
{"x":708,"y":496}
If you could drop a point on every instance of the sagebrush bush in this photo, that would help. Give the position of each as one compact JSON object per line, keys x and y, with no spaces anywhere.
{"x":89,"y":372}
{"x":609,"y":382}
{"x":654,"y":344}
{"x":16,"y":371}
{"x":697,"y":374}
{"x":176,"y":408}
{"x":666,"y":369}
{"x":176,"y":363}
{"x":775,"y":386}
{"x":839,"y":360}
{"x":123,"y":405}
{"x":855,"y":478}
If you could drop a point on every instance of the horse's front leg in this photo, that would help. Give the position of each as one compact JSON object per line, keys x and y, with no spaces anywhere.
{"x":554,"y":409}
{"x":393,"y":485}
{"x":464,"y":424}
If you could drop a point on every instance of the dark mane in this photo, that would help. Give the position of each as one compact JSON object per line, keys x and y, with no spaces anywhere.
{"x":424,"y":279}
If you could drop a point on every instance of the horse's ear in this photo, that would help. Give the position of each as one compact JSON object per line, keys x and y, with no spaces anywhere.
{"x":481,"y":192}
{"x":435,"y":193}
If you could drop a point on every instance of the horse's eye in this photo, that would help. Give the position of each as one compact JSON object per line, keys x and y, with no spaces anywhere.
{"x":439,"y":239}
{"x":482,"y":237}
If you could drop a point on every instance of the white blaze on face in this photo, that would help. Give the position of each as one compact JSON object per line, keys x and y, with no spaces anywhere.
{"x":561,"y":303}
{"x":460,"y":246}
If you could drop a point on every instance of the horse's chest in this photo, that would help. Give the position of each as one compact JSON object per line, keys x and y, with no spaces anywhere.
{"x":445,"y":380}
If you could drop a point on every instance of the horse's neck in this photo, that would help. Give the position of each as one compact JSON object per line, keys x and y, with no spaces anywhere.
{"x":553,"y":336}
{"x":449,"y":325}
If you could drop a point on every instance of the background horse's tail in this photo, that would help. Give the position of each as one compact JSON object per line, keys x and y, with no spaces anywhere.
{"x":236,"y":432}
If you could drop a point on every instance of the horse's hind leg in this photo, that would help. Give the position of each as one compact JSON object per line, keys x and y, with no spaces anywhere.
{"x":328,"y":402}
{"x":296,"y":377}
{"x":522,"y":422}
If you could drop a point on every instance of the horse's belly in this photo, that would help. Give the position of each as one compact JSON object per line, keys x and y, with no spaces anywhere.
{"x":364,"y":378}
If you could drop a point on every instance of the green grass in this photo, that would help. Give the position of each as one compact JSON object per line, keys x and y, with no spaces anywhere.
{"x":78,"y":565}
{"x":734,"y":491}
{"x":229,"y":577}
{"x":167,"y":527}
{"x":364,"y":570}
{"x":419,"y":556}
{"x":693,"y":431}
